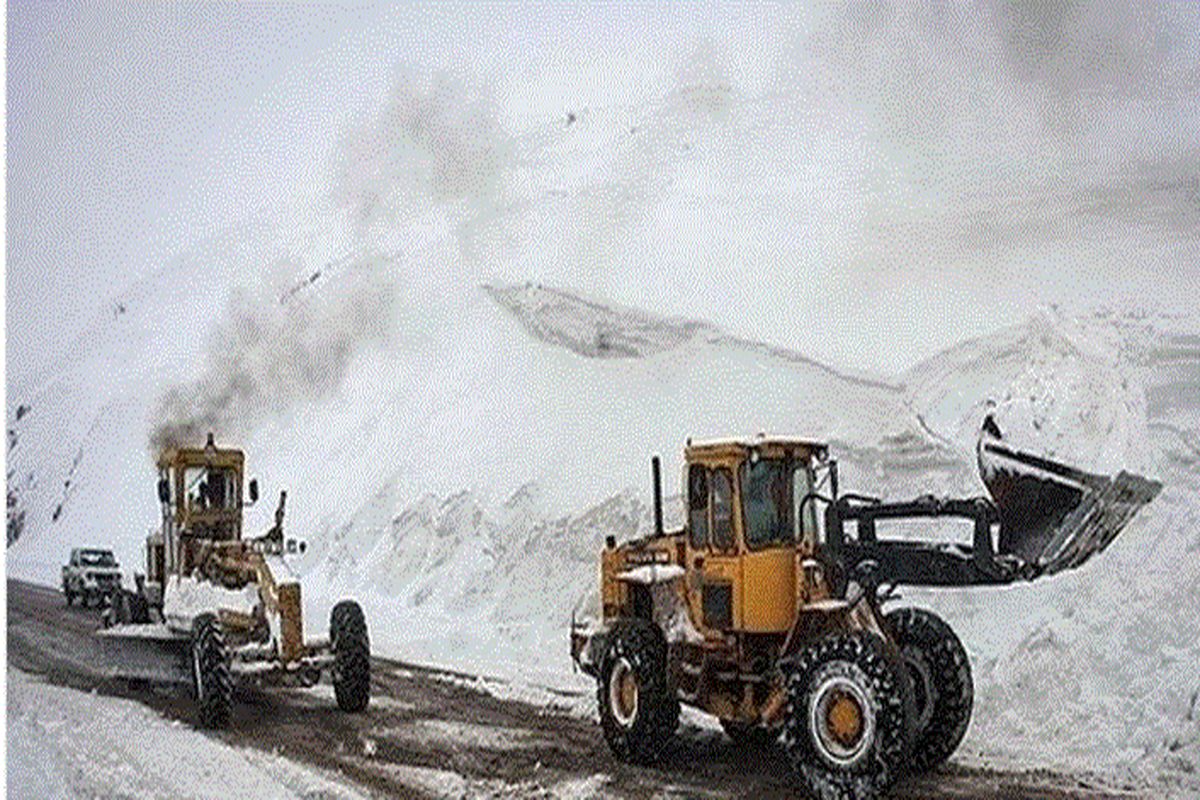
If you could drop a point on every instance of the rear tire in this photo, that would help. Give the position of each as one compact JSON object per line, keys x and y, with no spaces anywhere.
{"x":351,"y":656}
{"x":211,"y":682}
{"x":940,"y":672}
{"x":849,"y":721}
{"x":638,"y":711}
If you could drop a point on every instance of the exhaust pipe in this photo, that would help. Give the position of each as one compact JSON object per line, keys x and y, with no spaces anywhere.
{"x":656,"y":469}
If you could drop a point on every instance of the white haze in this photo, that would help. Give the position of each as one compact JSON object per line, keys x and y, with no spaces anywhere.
{"x":926,"y":172}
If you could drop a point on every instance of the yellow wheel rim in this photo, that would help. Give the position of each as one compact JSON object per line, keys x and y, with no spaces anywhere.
{"x":845,"y":719}
{"x":623,"y":693}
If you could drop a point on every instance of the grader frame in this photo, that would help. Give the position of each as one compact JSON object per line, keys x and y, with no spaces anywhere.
{"x":214,"y":606}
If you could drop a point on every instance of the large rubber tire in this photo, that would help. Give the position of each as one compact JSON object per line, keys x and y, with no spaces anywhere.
{"x":847,"y":673}
{"x":638,"y":711}
{"x":69,"y":595}
{"x":351,"y":656}
{"x":748,"y":736}
{"x":211,"y":684}
{"x":940,"y":672}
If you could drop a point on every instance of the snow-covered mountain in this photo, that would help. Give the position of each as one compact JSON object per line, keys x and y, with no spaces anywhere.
{"x":457,"y":437}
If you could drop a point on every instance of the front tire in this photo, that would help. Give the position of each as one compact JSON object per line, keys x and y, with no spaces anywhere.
{"x":351,"y":656}
{"x":211,"y":682}
{"x":940,"y":672}
{"x":849,"y":720}
{"x":638,"y":711}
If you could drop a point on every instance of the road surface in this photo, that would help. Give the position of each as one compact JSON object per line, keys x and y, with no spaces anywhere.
{"x":432,"y":734}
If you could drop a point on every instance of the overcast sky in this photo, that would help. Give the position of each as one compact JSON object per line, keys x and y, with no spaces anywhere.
{"x":135,"y":129}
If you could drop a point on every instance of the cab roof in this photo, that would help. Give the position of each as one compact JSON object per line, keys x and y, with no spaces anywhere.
{"x":210,"y":455}
{"x":765,"y":444}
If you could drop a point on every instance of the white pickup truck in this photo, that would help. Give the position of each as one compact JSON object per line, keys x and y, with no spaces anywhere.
{"x":91,"y":575}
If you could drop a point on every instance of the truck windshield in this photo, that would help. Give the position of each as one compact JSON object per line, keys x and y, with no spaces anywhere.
{"x":210,"y":488}
{"x":97,"y":558}
{"x":772,"y":488}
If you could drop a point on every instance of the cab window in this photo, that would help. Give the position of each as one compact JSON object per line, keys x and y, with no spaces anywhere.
{"x":722,"y":507}
{"x":698,"y":506}
{"x":766,"y":500}
{"x":802,"y":485}
{"x":97,"y":558}
{"x":210,"y":488}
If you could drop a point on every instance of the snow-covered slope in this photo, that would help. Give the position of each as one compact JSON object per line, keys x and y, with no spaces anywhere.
{"x":1096,"y":667}
{"x":457,"y":440}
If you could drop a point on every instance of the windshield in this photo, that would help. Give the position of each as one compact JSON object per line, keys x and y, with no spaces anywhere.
{"x":771,"y":491}
{"x":97,"y":558}
{"x":210,"y":488}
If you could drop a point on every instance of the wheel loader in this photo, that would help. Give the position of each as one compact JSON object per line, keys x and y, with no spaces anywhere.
{"x":766,"y":608}
{"x":214,"y":607}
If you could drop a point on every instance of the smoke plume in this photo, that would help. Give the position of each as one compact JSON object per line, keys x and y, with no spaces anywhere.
{"x":435,"y":142}
{"x":273,"y":351}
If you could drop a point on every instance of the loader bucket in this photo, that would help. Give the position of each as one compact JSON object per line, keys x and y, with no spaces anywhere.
{"x":1052,"y":516}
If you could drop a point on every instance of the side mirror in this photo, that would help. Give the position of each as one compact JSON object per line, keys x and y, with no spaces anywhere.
{"x":254,"y":490}
{"x":164,"y":491}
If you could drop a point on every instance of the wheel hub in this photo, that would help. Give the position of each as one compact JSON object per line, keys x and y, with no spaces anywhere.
{"x":844,"y":719}
{"x":841,"y":715}
{"x":920,"y":676}
{"x":623,"y":693}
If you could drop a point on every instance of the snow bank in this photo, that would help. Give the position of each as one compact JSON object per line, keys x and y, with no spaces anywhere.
{"x":65,"y":744}
{"x":1096,"y":668}
{"x":186,"y":598}
{"x":592,"y":329}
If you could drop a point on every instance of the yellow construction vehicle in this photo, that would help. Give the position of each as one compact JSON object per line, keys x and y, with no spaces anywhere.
{"x":765,"y":609}
{"x":213,"y":607}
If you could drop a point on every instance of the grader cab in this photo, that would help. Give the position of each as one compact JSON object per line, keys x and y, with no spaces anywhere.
{"x":765,"y":609}
{"x":214,"y":607}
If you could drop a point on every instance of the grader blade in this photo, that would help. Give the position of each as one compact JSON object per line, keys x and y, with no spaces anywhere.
{"x":148,"y":652}
{"x":1053,"y":516}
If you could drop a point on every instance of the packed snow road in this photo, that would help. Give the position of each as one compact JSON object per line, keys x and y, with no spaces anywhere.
{"x":431,"y":734}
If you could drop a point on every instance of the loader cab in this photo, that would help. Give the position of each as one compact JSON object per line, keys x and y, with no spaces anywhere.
{"x":748,"y":531}
{"x":200,"y":493}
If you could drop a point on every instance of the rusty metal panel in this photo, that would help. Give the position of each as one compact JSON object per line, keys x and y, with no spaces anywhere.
{"x":290,"y":624}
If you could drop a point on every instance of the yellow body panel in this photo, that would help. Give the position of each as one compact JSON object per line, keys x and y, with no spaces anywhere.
{"x":768,"y":596}
{"x":779,"y":596}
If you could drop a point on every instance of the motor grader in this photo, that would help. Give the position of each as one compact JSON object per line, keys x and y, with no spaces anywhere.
{"x":766,"y":608}
{"x":213,"y":607}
